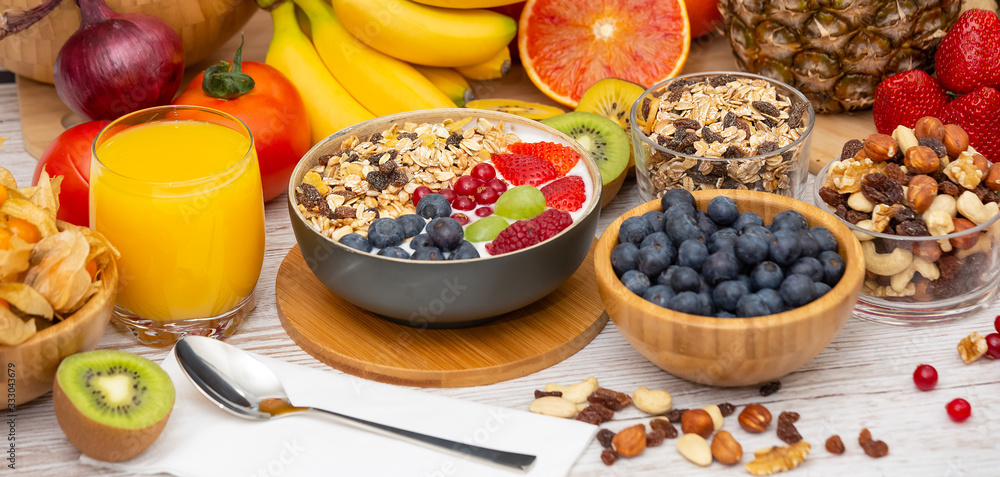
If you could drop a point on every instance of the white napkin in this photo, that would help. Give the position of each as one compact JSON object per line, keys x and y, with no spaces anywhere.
{"x":202,"y":439}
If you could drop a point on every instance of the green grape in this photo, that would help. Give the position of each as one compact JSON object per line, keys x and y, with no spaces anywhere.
{"x":521,"y":202}
{"x":485,"y":229}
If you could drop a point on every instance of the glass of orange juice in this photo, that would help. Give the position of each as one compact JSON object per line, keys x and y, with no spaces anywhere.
{"x":177,"y":190}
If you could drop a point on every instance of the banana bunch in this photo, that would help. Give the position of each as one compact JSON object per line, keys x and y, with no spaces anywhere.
{"x":369,"y":58}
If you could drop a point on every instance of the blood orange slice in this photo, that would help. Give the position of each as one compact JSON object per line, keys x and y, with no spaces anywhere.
{"x":568,"y":45}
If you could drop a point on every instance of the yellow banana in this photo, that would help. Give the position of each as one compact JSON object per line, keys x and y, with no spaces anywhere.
{"x":467,"y":3}
{"x":427,"y":35}
{"x":450,"y":82}
{"x":493,"y":68}
{"x":329,"y":106}
{"x":383,"y":84}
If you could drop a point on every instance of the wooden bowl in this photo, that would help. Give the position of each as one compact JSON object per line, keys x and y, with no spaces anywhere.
{"x":733,"y":351}
{"x":35,"y":361}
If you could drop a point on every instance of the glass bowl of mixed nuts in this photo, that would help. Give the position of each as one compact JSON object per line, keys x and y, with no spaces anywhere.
{"x":925,"y":207}
{"x":722,"y":130}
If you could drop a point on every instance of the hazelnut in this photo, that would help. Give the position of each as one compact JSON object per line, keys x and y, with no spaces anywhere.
{"x":725,"y":449}
{"x":921,"y":192}
{"x":955,"y":140}
{"x":755,"y":418}
{"x":929,"y":126}
{"x":927,"y":250}
{"x":880,"y":147}
{"x":697,"y":421}
{"x":631,"y":441}
{"x":981,"y":164}
{"x":967,"y":241}
{"x":992,"y":180}
{"x":921,"y":160}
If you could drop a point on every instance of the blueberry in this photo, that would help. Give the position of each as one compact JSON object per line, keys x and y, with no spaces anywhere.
{"x":667,"y":275}
{"x":705,"y":287}
{"x":766,"y":274}
{"x":747,"y":218}
{"x":675,"y":196}
{"x":464,"y":251}
{"x":705,"y":224}
{"x":789,"y":220}
{"x":751,"y":305}
{"x":659,"y":295}
{"x":624,"y":257}
{"x":692,"y":253}
{"x":754,"y":229}
{"x":746,"y":281}
{"x":723,"y":239}
{"x":652,"y":260}
{"x":724,"y":314}
{"x":808,"y":246}
{"x":385,"y":232}
{"x":727,"y":293}
{"x":394,"y":252}
{"x":636,"y":281}
{"x":784,"y":247}
{"x":686,"y":302}
{"x":719,"y":267}
{"x":772,"y":299}
{"x":412,"y":224}
{"x":707,"y":307}
{"x":357,"y":242}
{"x":820,"y":289}
{"x":809,"y":267}
{"x":685,"y":279}
{"x":678,"y":210}
{"x":833,"y":267}
{"x":797,"y":290}
{"x":751,"y":249}
{"x":427,"y":253}
{"x":825,"y":238}
{"x":634,"y":229}
{"x":658,"y":239}
{"x":445,"y":232}
{"x":682,"y":227}
{"x":432,"y":206}
{"x":723,"y":210}
{"x":420,"y":241}
{"x":655,"y":218}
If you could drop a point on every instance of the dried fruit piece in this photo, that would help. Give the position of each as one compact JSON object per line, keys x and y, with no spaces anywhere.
{"x":778,"y":458}
{"x":786,"y":427}
{"x":675,"y":415}
{"x":604,"y":436}
{"x":972,"y":347}
{"x":872,"y":447}
{"x":540,"y":394}
{"x":661,"y":423}
{"x":631,"y":441}
{"x":770,"y":388}
{"x":609,"y":456}
{"x":617,"y":402}
{"x":655,"y":437}
{"x":727,"y":409}
{"x":595,"y":414}
{"x":835,"y":445}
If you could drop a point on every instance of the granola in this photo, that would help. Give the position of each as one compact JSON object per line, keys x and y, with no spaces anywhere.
{"x":375,"y":176}
{"x":716,"y":123}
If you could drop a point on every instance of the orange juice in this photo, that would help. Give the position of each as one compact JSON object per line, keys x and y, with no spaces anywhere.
{"x":182,"y":202}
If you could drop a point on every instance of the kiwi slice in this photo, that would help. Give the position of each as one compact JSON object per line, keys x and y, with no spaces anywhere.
{"x":111,"y":405}
{"x":525,"y":109}
{"x":603,"y":138}
{"x":612,"y":98}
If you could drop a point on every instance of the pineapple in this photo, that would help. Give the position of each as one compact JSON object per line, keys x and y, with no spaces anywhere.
{"x":836,"y":51}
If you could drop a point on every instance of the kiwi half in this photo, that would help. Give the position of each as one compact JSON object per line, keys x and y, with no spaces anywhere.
{"x":525,"y":109}
{"x":111,"y":405}
{"x":604,"y":139}
{"x":612,"y":98}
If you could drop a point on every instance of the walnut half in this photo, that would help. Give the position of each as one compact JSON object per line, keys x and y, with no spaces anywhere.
{"x":778,"y":458}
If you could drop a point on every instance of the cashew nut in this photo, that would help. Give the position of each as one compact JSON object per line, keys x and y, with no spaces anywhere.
{"x":883,"y":291}
{"x":576,"y":393}
{"x":554,"y":406}
{"x":716,"y":413}
{"x":969,"y":205}
{"x":943,"y":203}
{"x":984,"y":244}
{"x":928,"y":270}
{"x":939,"y":222}
{"x":886,"y":264}
{"x":867,"y":225}
{"x":652,"y":401}
{"x":859,"y":202}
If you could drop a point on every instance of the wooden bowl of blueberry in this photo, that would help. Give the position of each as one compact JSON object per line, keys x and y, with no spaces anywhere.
{"x":728,"y":287}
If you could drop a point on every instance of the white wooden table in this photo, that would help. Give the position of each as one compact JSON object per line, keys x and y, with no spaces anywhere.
{"x":863,"y":379}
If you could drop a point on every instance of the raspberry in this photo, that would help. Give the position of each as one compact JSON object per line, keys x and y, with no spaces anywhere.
{"x":528,"y":232}
{"x":563,"y":158}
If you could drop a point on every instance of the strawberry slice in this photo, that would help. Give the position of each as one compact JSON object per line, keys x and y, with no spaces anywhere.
{"x":566,"y":193}
{"x":521,"y":169}
{"x":563,"y":158}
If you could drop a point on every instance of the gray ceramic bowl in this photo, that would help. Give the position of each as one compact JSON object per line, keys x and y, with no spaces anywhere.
{"x":445,"y":294}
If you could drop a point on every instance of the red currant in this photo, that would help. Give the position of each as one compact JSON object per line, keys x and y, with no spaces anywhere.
{"x":420,"y":192}
{"x":484,"y":211}
{"x":925,"y":377}
{"x":486,"y":195}
{"x":993,"y":345}
{"x":448,"y":194}
{"x":464,"y":202}
{"x":497,"y":184}
{"x":467,"y":185}
{"x":996,"y":323}
{"x":461,"y":218}
{"x":483,"y":172}
{"x":959,"y":410}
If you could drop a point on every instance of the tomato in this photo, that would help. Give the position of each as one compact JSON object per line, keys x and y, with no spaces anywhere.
{"x":69,"y":156}
{"x":273,"y":111}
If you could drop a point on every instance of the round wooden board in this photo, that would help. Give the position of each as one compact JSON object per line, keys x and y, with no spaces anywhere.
{"x":360,"y":343}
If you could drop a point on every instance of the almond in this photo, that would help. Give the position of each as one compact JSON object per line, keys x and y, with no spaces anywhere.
{"x":631,"y":441}
{"x":725,"y":449}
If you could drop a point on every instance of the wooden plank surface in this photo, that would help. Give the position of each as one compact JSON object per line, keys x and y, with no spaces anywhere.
{"x":863,"y":379}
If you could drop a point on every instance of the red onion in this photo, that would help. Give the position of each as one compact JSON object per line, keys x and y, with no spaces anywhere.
{"x":118,"y":63}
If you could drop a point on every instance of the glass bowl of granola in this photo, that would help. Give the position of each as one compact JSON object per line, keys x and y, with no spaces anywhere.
{"x":722,"y":130}
{"x":345,"y":189}
{"x":928,"y":219}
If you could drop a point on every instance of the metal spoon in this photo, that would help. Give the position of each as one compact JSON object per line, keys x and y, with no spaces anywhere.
{"x":245,"y":387}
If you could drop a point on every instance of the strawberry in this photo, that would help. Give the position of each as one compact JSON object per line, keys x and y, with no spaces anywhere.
{"x":905,"y":97}
{"x":978,"y":113}
{"x":566,"y":193}
{"x":969,"y":54}
{"x":563,"y":158}
{"x":520,"y":169}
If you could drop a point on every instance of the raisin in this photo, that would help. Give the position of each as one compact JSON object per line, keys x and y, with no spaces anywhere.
{"x":950,"y":188}
{"x":980,"y":192}
{"x":655,"y":438}
{"x":325,"y":158}
{"x":685,"y":123}
{"x":786,"y":427}
{"x":595,"y":414}
{"x":766,"y":147}
{"x":727,"y":409}
{"x":609,"y":456}
{"x":375,"y":138}
{"x":903,"y":213}
{"x":604,"y":436}
{"x":853,"y":216}
{"x":935,"y":144}
{"x":399,"y":178}
{"x":675,"y":96}
{"x":766,"y":108}
{"x":680,"y":84}
{"x":645,"y":106}
{"x":742,"y":125}
{"x":606,"y":401}
{"x":351,"y":157}
{"x":945,"y":287}
{"x":851,"y":149}
{"x":733,"y":152}
{"x":768,"y":122}
{"x":347,"y":194}
{"x":454,"y":139}
{"x":324,"y":209}
{"x":377,"y":180}
{"x":831,"y":196}
{"x":835,"y":445}
{"x":974,"y":268}
{"x":729,"y":120}
{"x":309,"y":197}
{"x":988,"y":195}
{"x":842,"y":211}
{"x":674,"y":415}
{"x":540,"y":394}
{"x":709,"y":135}
{"x":664,"y":425}
{"x":387,"y":167}
{"x":662,"y":140}
{"x":795,"y":115}
{"x":621,"y":399}
{"x":689,"y":139}
{"x":770,"y":388}
{"x":896,"y":173}
{"x":949,"y":265}
{"x":912,"y":228}
{"x":344,"y":212}
{"x":409,"y":135}
{"x":881,"y":189}
{"x":876,"y":449}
